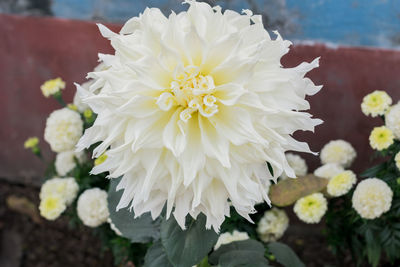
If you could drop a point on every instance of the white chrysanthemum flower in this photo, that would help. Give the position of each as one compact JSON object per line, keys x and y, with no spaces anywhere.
{"x":311,"y":208}
{"x":272,"y":225}
{"x":376,"y":103}
{"x":52,"y":206}
{"x":65,"y":161}
{"x":381,"y":138}
{"x":372,"y":198}
{"x":67,"y":188}
{"x":397,"y":160}
{"x":93,"y":207}
{"x":341,"y":184}
{"x":297,"y":163}
{"x":338,"y":151}
{"x":227,"y":238}
{"x":114,"y":227}
{"x":52,"y":87}
{"x":191,"y":108}
{"x":63,"y":129}
{"x":392,"y":119}
{"x":328,"y":170}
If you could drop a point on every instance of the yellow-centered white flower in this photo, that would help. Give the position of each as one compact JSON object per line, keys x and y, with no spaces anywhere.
{"x":328,"y":170}
{"x":338,"y":151}
{"x":191,"y":107}
{"x":392,"y":120}
{"x":272,"y":225}
{"x":372,"y":198}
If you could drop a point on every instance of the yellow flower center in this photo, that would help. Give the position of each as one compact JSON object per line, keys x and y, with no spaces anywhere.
{"x":192,"y":91}
{"x":51,"y":203}
{"x":100,"y":159}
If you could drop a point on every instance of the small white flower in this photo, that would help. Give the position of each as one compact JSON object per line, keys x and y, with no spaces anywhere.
{"x":65,"y":161}
{"x":67,"y":188}
{"x":272,"y":225}
{"x":297,"y":163}
{"x":372,"y":198}
{"x":93,"y":207}
{"x":338,"y":151}
{"x":341,"y":184}
{"x":376,"y":103}
{"x":227,"y":238}
{"x":52,"y":87}
{"x":328,"y":170}
{"x":311,"y":208}
{"x":52,"y":206}
{"x":63,"y":129}
{"x":397,"y":160}
{"x":392,"y":120}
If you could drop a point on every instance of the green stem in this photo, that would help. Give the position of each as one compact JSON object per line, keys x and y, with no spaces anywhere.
{"x":60,"y":100}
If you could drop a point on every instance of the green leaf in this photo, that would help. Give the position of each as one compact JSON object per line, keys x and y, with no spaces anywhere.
{"x":156,"y":256}
{"x":285,"y":255}
{"x":240,"y":253}
{"x":373,"y":247}
{"x":204,"y":263}
{"x":288,"y":191}
{"x":142,"y":229}
{"x":187,"y":247}
{"x":372,"y":172}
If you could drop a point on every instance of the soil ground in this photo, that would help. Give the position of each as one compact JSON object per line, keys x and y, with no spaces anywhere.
{"x":52,"y":243}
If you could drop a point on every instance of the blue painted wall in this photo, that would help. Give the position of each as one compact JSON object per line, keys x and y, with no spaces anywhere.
{"x":348,"y":22}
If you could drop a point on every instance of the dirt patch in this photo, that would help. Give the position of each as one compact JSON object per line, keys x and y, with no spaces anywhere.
{"x":45,"y":243}
{"x":56,"y":244}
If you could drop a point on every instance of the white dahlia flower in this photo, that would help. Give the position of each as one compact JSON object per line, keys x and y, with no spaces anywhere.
{"x":67,"y":188}
{"x":341,"y":184}
{"x":311,"y":208}
{"x":338,"y":151}
{"x":93,"y":207}
{"x":227,"y":238}
{"x":297,"y":163}
{"x":63,"y":129}
{"x":392,"y":119}
{"x":372,"y":198}
{"x":272,"y":225}
{"x":328,"y":170}
{"x":191,"y":107}
{"x":77,"y":99}
{"x":65,"y":161}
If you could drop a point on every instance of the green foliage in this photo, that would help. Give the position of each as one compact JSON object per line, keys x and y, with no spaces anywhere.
{"x":376,"y":240}
{"x":156,"y":256}
{"x":240,"y":253}
{"x":142,"y":229}
{"x":187,"y":247}
{"x":285,"y":255}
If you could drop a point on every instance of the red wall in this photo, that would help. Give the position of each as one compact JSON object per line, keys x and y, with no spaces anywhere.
{"x":33,"y":50}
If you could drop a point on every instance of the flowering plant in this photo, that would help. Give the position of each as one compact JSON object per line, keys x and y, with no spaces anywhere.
{"x":185,"y":119}
{"x":366,"y":220}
